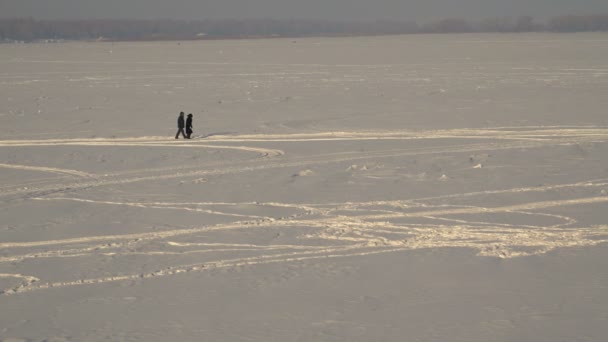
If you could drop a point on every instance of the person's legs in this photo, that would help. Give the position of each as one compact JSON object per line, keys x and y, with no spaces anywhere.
{"x":181,"y":130}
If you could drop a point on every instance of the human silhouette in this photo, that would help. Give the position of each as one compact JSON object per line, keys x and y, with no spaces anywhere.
{"x":180,"y":126}
{"x":189,"y":126}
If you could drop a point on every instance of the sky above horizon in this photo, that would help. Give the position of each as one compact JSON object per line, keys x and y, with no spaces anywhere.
{"x":420,"y":10}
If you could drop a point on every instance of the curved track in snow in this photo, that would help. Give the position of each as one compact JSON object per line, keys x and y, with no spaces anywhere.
{"x":514,"y":226}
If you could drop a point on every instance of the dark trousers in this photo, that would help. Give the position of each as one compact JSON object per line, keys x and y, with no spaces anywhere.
{"x":188,"y":133}
{"x":181,"y":130}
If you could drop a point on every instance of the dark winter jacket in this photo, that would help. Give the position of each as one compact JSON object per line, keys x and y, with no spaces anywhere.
{"x":189,"y":123}
{"x":180,"y":122}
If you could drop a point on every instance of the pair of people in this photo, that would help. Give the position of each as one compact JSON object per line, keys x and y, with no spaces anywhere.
{"x":181,"y":125}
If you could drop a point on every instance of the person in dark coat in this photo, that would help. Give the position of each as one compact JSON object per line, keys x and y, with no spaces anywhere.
{"x":189,"y":126}
{"x":180,"y":126}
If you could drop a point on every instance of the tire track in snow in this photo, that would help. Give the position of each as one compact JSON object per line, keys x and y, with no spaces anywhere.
{"x":358,"y":231}
{"x":305,"y":161}
{"x":350,"y":229}
{"x":47,"y":169}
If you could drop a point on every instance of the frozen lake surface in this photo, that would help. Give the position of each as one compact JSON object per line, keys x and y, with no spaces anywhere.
{"x":405,"y":188}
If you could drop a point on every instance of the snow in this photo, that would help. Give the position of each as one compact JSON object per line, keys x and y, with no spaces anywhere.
{"x":344,"y":189}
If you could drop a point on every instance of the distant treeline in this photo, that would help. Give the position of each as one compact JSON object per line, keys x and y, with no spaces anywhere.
{"x":28,"y":29}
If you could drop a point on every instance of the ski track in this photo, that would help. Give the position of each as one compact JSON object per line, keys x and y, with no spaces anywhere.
{"x":332,"y":230}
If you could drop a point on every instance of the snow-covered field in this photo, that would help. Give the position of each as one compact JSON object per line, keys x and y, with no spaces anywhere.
{"x":407,"y":188}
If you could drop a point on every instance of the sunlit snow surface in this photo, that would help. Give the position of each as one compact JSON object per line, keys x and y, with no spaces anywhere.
{"x":306,"y":151}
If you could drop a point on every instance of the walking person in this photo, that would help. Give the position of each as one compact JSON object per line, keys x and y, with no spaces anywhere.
{"x":189,"y":126}
{"x":180,"y":126}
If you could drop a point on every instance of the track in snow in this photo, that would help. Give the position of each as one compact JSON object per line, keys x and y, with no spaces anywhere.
{"x":316,"y":230}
